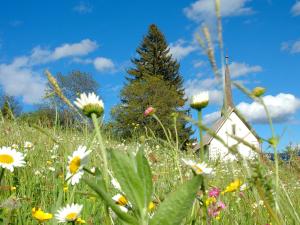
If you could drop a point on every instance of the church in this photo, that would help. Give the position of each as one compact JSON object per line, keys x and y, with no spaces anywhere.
{"x":231,"y":122}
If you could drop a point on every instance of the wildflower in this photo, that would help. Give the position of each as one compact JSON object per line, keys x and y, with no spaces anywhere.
{"x":151,"y":206}
{"x":122,"y":202}
{"x":149,"y":111}
{"x":200,"y":100}
{"x":258,"y":91}
{"x":243,"y":187}
{"x":14,"y":146}
{"x":90,"y":104}
{"x":214,"y":192}
{"x":28,"y":145}
{"x":13,"y":188}
{"x":199,"y":168}
{"x":70,"y":213}
{"x":80,"y":221}
{"x":215,"y":209}
{"x":40,"y":215}
{"x":76,"y":163}
{"x":10,"y":158}
{"x":210,"y":201}
{"x":233,"y":186}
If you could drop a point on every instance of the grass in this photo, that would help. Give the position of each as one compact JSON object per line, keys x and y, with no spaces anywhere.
{"x":41,"y":183}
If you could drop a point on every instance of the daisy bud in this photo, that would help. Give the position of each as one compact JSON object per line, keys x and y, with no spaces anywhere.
{"x":149,"y":111}
{"x":258,"y":91}
{"x":200,"y":100}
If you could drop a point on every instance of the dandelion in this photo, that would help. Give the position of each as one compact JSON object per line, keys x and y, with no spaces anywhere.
{"x":10,"y":158}
{"x":233,"y":186}
{"x":28,"y":145}
{"x":76,"y":163}
{"x":149,"y":111}
{"x":70,"y":213}
{"x":40,"y":215}
{"x":199,"y":168}
{"x":89,"y":104}
{"x":200,"y":100}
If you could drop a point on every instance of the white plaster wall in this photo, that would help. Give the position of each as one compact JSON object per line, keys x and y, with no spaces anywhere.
{"x":218,"y":151}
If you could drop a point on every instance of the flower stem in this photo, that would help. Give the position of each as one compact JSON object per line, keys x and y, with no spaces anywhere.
{"x":201,"y":135}
{"x":1,"y":174}
{"x":102,"y":150}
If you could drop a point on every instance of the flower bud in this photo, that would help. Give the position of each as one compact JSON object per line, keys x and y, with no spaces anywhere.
{"x":258,"y":91}
{"x":200,"y":100}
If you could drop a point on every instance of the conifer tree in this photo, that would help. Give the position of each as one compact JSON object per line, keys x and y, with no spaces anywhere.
{"x":153,"y":81}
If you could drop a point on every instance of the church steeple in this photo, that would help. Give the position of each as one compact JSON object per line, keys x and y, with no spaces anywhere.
{"x":228,"y":102}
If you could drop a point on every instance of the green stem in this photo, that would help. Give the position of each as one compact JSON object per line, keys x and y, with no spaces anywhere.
{"x":201,"y":135}
{"x":1,"y":174}
{"x":102,"y":150}
{"x":176,"y":151}
{"x":162,"y":126}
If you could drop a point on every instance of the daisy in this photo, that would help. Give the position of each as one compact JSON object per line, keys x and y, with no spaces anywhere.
{"x":199,"y":168}
{"x":122,"y":202}
{"x":70,"y":213}
{"x":10,"y":158}
{"x":40,"y":215}
{"x":89,"y":104}
{"x":76,"y":163}
{"x":200,"y":100}
{"x":28,"y":145}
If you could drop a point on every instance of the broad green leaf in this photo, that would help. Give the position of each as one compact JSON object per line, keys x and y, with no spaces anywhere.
{"x":100,"y":190}
{"x":125,"y":171}
{"x":177,"y":204}
{"x":145,"y":175}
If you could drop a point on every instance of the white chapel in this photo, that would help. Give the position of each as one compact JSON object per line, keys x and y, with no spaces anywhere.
{"x":230,"y":122}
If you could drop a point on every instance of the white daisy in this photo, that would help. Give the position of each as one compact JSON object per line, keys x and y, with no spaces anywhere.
{"x":76,"y":163}
{"x":28,"y":145}
{"x":200,"y":100}
{"x":70,"y":213}
{"x":10,"y":158}
{"x":199,"y":168}
{"x":89,"y":104}
{"x":122,"y":202}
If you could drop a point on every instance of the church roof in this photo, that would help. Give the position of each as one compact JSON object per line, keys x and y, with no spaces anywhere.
{"x":207,"y":138}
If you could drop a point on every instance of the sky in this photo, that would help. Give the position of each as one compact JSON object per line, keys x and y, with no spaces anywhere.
{"x":261,"y":37}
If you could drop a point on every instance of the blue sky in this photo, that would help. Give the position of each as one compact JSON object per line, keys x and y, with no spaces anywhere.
{"x":100,"y":37}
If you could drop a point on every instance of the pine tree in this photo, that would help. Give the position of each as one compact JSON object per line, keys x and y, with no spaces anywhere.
{"x":154,"y":81}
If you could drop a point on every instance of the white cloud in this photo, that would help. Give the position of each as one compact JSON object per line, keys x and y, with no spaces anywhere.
{"x":282,"y":108}
{"x":242,"y":69}
{"x":195,"y":86}
{"x":296,"y":9}
{"x":83,"y":8}
{"x":291,"y":47}
{"x":180,"y":49}
{"x":204,"y":10}
{"x":82,"y":48}
{"x":17,"y":79}
{"x":41,"y":55}
{"x":104,"y":64}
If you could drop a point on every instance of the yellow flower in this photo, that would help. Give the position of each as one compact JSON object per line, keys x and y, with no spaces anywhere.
{"x":151,"y":206}
{"x":80,"y":221}
{"x":120,"y":200}
{"x":41,"y":216}
{"x":66,"y":188}
{"x":210,"y":200}
{"x":13,"y":188}
{"x":233,"y":186}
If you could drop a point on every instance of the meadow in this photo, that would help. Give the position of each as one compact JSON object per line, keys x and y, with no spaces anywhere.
{"x":41,"y":182}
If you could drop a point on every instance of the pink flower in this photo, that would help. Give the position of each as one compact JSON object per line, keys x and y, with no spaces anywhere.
{"x":214,"y":192}
{"x":221,"y":205}
{"x":149,"y":111}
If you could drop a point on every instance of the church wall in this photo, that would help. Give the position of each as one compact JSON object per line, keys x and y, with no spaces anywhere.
{"x":218,"y":150}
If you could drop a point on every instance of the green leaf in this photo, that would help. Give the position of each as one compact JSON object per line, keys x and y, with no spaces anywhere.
{"x":125,"y":171}
{"x":100,"y":190}
{"x":144,"y":172}
{"x":177,"y":204}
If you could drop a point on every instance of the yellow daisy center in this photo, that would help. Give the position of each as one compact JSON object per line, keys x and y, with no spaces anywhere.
{"x":6,"y":159}
{"x":197,"y":169}
{"x":122,"y":201}
{"x":71,"y":216}
{"x":74,"y":164}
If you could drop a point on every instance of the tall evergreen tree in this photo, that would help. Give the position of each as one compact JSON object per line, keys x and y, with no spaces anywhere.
{"x":153,"y":81}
